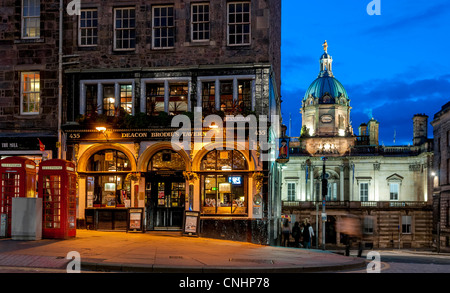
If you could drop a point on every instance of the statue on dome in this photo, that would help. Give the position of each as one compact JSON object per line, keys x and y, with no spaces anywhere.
{"x":325,"y":46}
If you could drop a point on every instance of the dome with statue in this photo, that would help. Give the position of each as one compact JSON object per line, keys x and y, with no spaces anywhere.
{"x":326,"y":88}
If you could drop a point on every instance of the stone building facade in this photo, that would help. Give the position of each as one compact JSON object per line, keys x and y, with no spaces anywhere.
{"x":387,"y":188}
{"x":441,"y":177}
{"x":133,"y":66}
{"x":29,"y":79}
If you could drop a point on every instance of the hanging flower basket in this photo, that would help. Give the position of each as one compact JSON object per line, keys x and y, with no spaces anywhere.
{"x":258,"y":177}
{"x":133,"y":176}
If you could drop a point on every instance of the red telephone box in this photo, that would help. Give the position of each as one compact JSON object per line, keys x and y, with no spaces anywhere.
{"x":57,"y":188}
{"x":18,"y":179}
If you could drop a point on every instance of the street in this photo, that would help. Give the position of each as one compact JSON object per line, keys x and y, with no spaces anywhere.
{"x":403,"y":261}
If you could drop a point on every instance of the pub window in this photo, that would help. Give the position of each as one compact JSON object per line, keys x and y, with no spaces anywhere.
{"x":88,"y":28}
{"x":109,"y":161}
{"x":91,"y":99}
{"x":239,"y":23}
{"x":364,"y":191}
{"x":30,"y":93}
{"x":245,"y":95}
{"x":166,"y":160}
{"x":163,"y":27}
{"x":106,"y":179}
{"x":208,"y":96}
{"x":226,"y":96}
{"x":109,"y":100}
{"x":124,"y":29}
{"x":178,"y":96}
{"x":31,"y":19}
{"x":126,"y":97}
{"x":224,"y":193}
{"x":155,"y":98}
{"x":200,"y":22}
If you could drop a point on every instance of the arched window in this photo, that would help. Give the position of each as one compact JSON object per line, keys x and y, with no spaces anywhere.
{"x":226,"y":160}
{"x":106,"y":179}
{"x":166,"y":160}
{"x":108,"y":161}
{"x":224,"y":183}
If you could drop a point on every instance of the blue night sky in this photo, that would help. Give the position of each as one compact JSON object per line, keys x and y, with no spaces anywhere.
{"x":393,"y":65}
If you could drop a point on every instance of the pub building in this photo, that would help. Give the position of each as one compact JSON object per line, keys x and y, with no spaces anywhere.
{"x":129,"y":69}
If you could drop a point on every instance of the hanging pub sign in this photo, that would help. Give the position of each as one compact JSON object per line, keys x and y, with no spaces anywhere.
{"x":191,"y":223}
{"x":283,"y":151}
{"x":135,"y":220}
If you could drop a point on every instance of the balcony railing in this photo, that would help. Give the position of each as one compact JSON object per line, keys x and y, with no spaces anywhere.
{"x":355,"y":204}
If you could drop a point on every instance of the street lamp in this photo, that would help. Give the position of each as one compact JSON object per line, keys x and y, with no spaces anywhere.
{"x":324,"y":194}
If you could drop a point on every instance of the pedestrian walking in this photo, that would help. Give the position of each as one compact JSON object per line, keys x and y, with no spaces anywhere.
{"x":286,"y":232}
{"x":296,"y":233}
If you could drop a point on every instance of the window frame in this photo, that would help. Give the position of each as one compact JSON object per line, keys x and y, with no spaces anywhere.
{"x":23,"y":21}
{"x":291,"y":191}
{"x":93,"y":28}
{"x":115,"y":9}
{"x":391,"y":184}
{"x":406,"y":224}
{"x":361,"y":190}
{"x":242,"y":23}
{"x":23,"y":92}
{"x":154,"y":28}
{"x":100,"y":84}
{"x":208,"y":22}
{"x":368,"y":226}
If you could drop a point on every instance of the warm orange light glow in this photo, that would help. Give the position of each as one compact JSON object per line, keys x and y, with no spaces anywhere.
{"x":101,"y":128}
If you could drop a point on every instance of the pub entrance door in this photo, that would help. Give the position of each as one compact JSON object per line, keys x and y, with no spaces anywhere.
{"x":165,"y":200}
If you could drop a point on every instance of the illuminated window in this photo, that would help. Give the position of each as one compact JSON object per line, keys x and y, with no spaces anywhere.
{"x":31,"y":20}
{"x":126,"y":96}
{"x":166,"y":160}
{"x":163,"y":27}
{"x":31,"y":95}
{"x":239,"y":23}
{"x":178,"y":97}
{"x":124,"y":29}
{"x":226,"y":96}
{"x":200,"y":22}
{"x":109,"y":100}
{"x":155,"y":98}
{"x":88,"y":27}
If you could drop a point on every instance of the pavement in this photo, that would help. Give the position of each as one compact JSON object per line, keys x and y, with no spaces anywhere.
{"x":168,"y":252}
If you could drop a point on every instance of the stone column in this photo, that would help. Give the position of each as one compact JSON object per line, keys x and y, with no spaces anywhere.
{"x":341,"y":183}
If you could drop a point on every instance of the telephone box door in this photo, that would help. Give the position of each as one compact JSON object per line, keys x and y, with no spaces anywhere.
{"x":17,"y":179}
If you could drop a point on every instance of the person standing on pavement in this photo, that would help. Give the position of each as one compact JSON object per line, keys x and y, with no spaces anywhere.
{"x":311,"y":234}
{"x":296,"y":232}
{"x":306,"y":237}
{"x":286,"y":232}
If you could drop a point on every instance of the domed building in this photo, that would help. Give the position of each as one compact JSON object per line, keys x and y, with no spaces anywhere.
{"x":326,"y":112}
{"x":382,"y":187}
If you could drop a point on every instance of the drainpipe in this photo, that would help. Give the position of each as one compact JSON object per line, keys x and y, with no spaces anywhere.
{"x":60,"y":78}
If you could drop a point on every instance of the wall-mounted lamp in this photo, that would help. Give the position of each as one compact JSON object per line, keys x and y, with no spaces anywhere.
{"x":102,"y":129}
